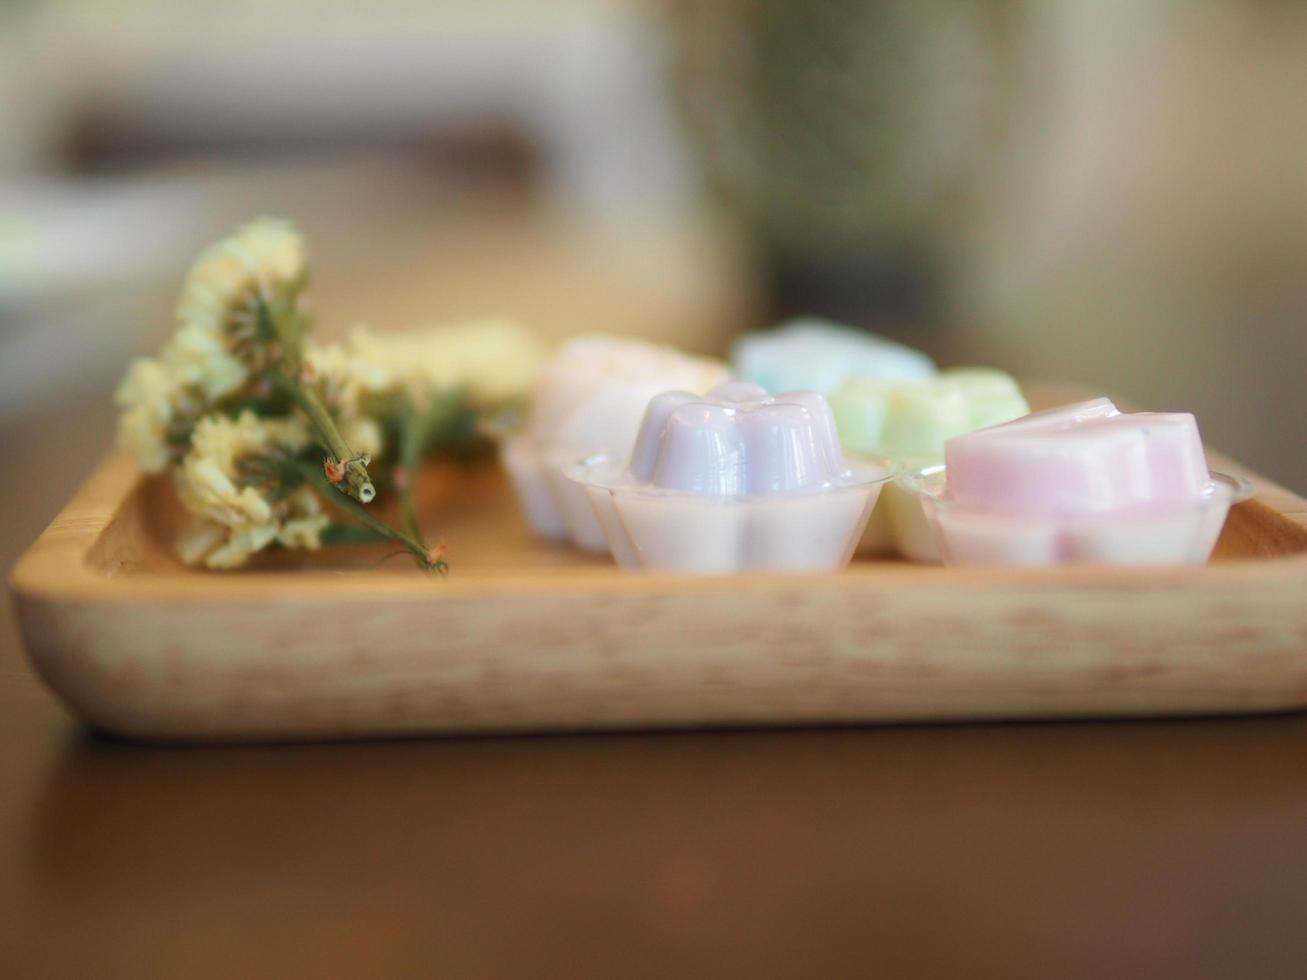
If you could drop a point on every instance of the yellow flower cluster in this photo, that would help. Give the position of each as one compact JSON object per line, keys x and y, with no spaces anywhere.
{"x":148,"y":397}
{"x":201,"y":363}
{"x":352,"y":387}
{"x":216,"y":310}
{"x":239,"y":477}
{"x":233,"y":519}
{"x":491,"y":360}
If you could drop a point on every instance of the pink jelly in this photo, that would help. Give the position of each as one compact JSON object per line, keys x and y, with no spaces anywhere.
{"x":1085,"y":483}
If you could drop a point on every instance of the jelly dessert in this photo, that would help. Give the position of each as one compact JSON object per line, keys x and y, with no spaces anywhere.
{"x":734,"y":480}
{"x":1081,"y":484}
{"x":908,"y":423}
{"x":590,"y":399}
{"x":811,"y":354}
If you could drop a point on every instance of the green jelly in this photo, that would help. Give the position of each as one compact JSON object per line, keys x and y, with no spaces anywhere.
{"x":912,"y":419}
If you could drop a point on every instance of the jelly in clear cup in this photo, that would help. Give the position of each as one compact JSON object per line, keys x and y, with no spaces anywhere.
{"x":909,"y":422}
{"x":1084,"y":484}
{"x":733,"y":481}
{"x":590,"y":399}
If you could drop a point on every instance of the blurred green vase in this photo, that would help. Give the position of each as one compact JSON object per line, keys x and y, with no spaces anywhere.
{"x":848,"y":137}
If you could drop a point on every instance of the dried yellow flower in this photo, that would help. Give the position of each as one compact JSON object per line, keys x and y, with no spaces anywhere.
{"x":264,"y":255}
{"x":216,"y":312}
{"x":492,"y":360}
{"x":234,"y":519}
{"x":147,"y":399}
{"x":202,"y":362}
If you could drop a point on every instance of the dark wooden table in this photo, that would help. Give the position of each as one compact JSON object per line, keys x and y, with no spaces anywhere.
{"x":1171,"y":848}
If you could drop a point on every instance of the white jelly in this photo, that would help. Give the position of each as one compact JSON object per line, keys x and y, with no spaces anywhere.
{"x":590,"y":399}
{"x":732,"y":481}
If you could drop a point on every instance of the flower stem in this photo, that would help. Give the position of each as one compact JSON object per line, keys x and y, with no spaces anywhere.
{"x":412,"y":440}
{"x":421,"y":553}
{"x":357,"y":482}
{"x":281,"y":320}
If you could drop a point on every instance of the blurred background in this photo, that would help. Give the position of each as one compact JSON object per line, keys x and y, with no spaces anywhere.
{"x":1111,"y":193}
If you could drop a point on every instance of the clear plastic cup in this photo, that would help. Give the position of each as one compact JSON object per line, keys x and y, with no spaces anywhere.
{"x":1169,"y":533}
{"x":734,"y":480}
{"x":658,"y":529}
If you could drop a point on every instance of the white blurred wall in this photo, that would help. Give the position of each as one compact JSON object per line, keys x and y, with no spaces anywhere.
{"x":324,"y":110}
{"x":1149,"y":232}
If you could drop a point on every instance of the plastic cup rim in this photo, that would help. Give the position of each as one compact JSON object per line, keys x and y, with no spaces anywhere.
{"x":581,"y":472}
{"x":925,"y":481}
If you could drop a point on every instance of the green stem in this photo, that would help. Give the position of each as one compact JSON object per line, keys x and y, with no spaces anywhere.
{"x":357,"y":482}
{"x":339,"y":533}
{"x":412,"y":440}
{"x":280,"y":319}
{"x":313,"y":475}
{"x":317,"y":412}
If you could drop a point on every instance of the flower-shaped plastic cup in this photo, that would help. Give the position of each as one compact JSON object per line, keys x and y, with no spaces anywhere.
{"x":1085,"y":484}
{"x":590,"y":400}
{"x":734,"y":481}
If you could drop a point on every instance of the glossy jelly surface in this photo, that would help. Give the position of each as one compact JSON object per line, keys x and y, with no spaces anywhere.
{"x":731,"y":481}
{"x":908,"y":422}
{"x":914,"y":419}
{"x":811,"y":354}
{"x":738,"y":441}
{"x":1086,"y":458}
{"x":1084,"y":484}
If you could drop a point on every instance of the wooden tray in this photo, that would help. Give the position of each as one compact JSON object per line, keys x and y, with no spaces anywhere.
{"x":528,"y":636}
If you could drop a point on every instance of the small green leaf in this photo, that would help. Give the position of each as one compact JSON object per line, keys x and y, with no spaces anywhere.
{"x":335,"y":533}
